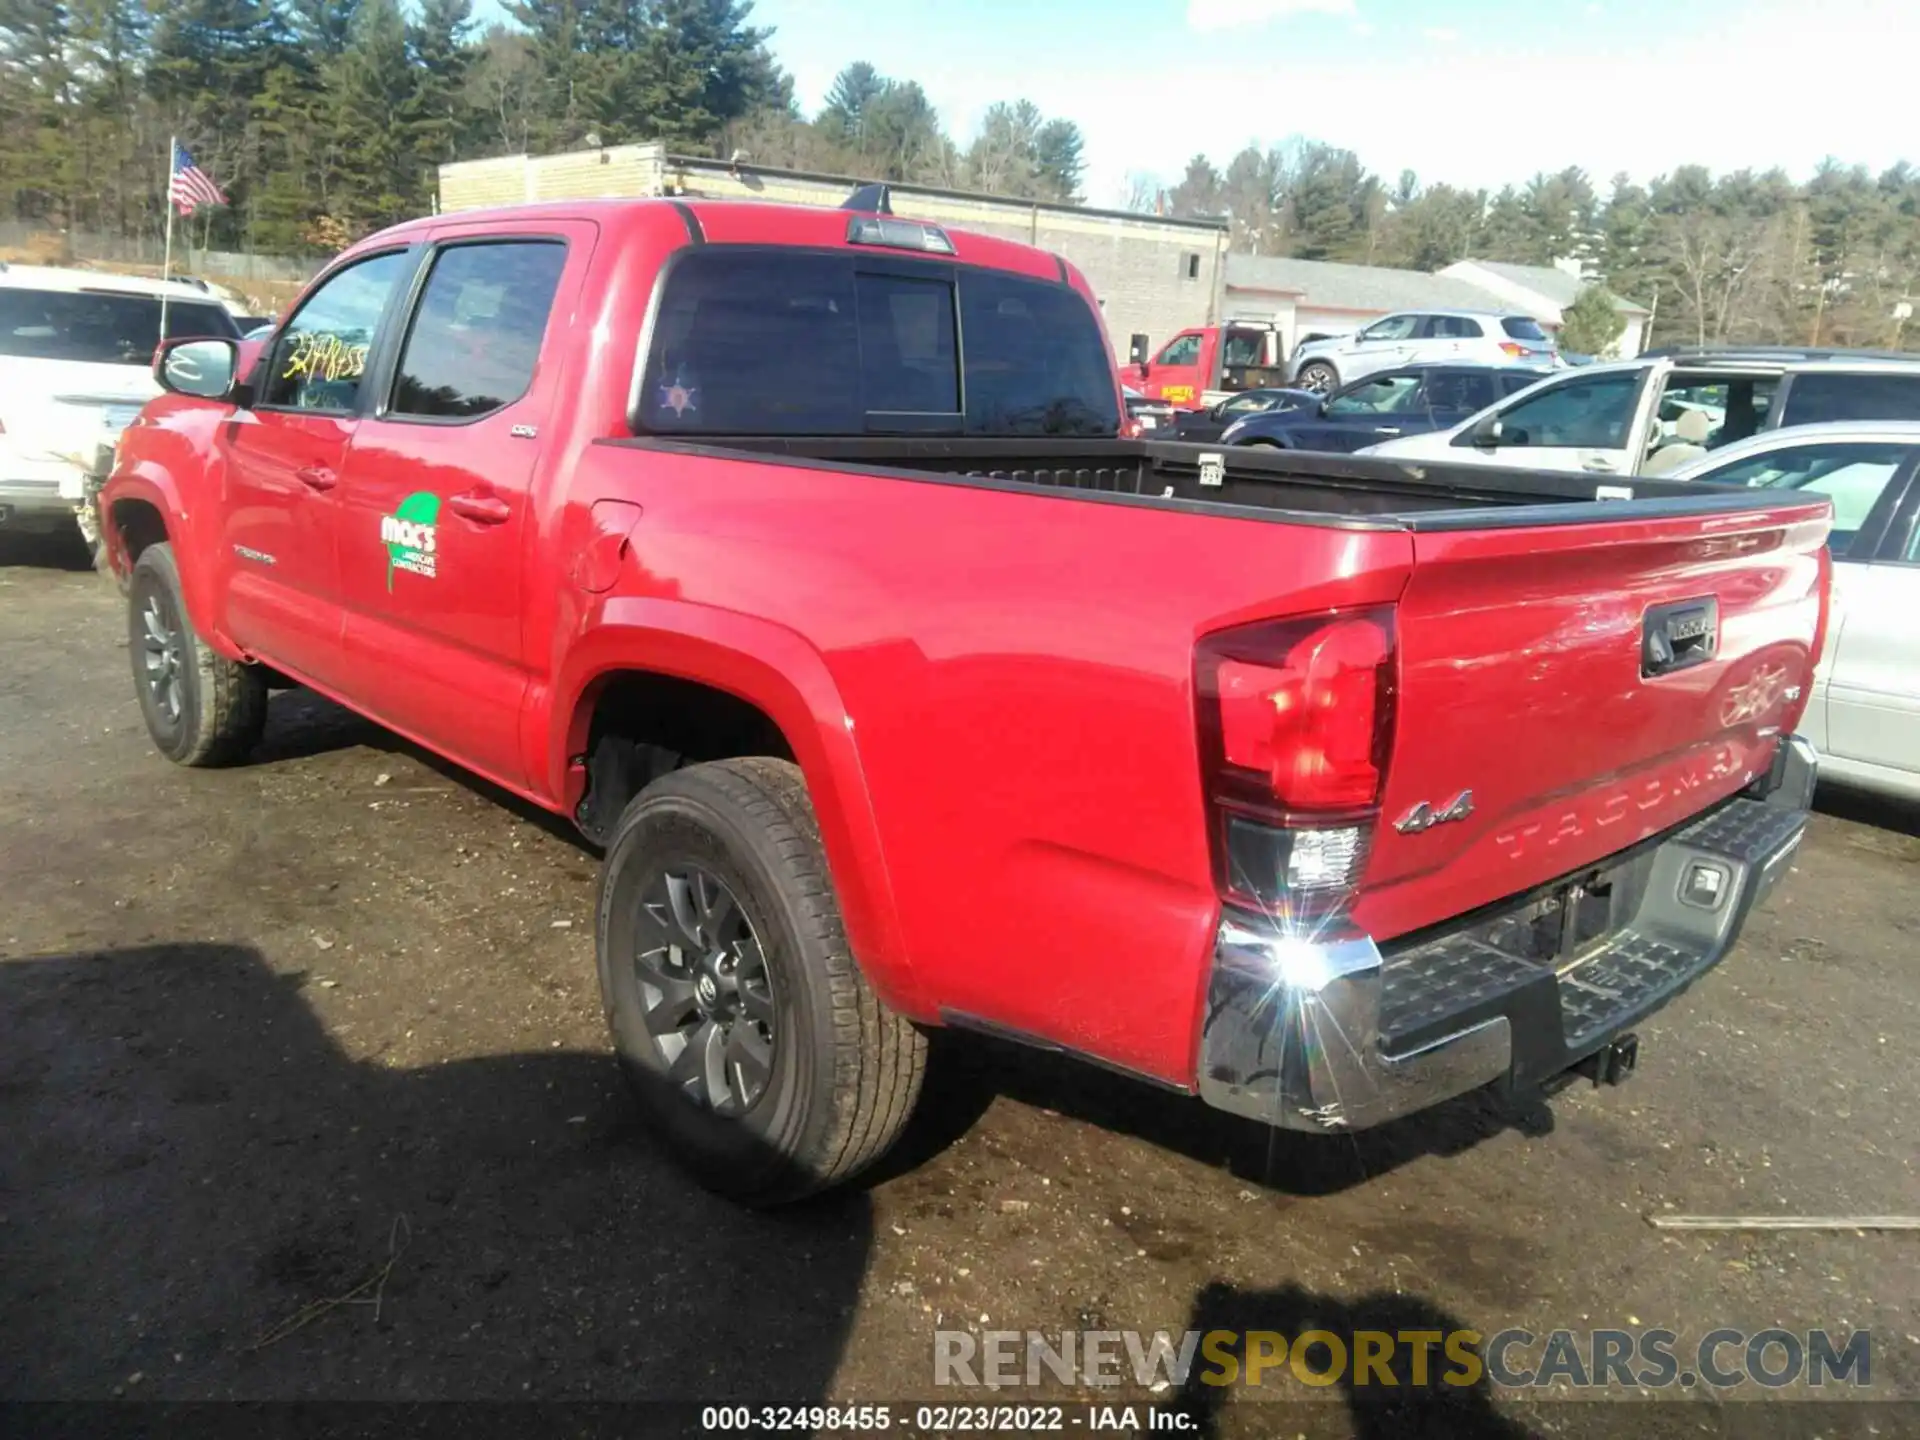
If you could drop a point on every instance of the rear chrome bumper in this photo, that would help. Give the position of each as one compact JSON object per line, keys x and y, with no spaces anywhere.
{"x":1332,"y":1034}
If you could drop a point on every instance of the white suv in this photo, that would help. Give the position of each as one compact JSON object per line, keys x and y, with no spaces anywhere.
{"x":1652,"y":415}
{"x":76,"y":351}
{"x":1413,"y":337}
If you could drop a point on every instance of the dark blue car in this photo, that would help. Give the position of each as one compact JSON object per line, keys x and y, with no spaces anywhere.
{"x":1392,"y":403}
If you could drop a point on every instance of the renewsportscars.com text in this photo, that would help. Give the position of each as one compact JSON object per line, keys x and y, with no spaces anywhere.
{"x":1652,"y":1359}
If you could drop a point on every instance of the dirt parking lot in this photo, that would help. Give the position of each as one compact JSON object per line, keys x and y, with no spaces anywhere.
{"x":329,"y":1021}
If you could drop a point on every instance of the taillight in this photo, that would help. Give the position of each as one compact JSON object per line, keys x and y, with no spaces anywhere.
{"x":1296,"y":720}
{"x":1514,"y":349}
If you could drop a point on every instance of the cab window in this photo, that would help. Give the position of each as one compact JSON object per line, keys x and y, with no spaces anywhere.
{"x":321,"y":356}
{"x":1182,"y":350}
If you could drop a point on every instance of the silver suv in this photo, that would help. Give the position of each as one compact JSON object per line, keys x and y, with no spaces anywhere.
{"x":1475,"y":337}
{"x":1653,"y":415}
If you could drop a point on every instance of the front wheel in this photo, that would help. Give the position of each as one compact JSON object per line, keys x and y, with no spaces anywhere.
{"x":200,"y":707}
{"x":737,"y":1010}
{"x":1319,"y":377}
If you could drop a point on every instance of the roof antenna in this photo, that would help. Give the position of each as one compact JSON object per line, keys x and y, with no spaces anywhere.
{"x":870,"y":200}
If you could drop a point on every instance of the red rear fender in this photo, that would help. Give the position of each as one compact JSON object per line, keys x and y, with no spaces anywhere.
{"x":773,"y":669}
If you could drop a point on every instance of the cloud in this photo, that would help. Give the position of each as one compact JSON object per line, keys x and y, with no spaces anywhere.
{"x":1365,"y":28}
{"x":1205,"y":15}
{"x":1440,"y":34}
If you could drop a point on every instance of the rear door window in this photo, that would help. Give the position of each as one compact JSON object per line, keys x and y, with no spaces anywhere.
{"x":793,"y":342}
{"x":1816,"y":396}
{"x":1519,"y":327}
{"x":476,"y":335}
{"x":1459,"y":390}
{"x":99,"y":327}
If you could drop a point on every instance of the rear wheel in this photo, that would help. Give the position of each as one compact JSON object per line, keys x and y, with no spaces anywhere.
{"x":1319,"y":377}
{"x":755,"y":1044}
{"x":200,"y":707}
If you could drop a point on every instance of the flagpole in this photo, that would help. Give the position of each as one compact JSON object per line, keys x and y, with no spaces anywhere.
{"x":166,"y":199}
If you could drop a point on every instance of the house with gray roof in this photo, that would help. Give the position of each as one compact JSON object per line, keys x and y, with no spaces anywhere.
{"x":1306,"y":298}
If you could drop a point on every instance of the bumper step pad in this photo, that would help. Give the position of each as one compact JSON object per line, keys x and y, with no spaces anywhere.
{"x":1694,"y":890}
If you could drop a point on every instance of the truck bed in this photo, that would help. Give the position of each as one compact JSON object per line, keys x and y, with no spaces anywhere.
{"x":1294,"y":486}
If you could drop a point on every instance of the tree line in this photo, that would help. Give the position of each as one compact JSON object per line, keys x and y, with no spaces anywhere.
{"x":326,"y":119}
{"x":323,"y":120}
{"x":1746,"y":257}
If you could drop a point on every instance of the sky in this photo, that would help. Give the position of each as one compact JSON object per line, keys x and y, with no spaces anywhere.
{"x":1475,"y":92}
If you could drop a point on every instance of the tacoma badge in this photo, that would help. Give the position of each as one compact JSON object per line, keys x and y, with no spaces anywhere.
{"x":1424,"y":817}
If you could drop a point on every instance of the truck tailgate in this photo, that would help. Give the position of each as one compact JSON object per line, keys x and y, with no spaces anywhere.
{"x":1585,"y":686}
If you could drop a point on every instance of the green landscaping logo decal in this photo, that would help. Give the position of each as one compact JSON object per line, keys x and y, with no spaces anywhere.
{"x":410,"y":535}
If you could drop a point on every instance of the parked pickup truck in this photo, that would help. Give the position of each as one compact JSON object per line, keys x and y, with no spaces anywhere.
{"x":795,"y":556}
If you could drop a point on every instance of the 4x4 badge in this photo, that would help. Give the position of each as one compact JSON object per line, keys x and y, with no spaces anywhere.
{"x":1424,"y":817}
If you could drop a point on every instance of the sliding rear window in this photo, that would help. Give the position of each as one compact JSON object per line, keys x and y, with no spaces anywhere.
{"x":798,"y":342}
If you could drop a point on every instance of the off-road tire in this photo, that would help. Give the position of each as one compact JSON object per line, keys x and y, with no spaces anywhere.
{"x":846,"y":1070}
{"x":223,"y":703}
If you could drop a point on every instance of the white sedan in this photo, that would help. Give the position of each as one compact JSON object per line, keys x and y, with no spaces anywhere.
{"x":1864,"y":716}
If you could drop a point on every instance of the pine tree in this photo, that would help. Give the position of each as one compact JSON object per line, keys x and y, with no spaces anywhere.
{"x":1060,"y":160}
{"x":440,"y":117}
{"x":1590,"y":325}
{"x":378,"y":175}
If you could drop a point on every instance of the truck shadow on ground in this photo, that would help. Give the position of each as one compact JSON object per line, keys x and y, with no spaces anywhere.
{"x":1865,"y":807}
{"x":62,"y":550}
{"x":966,"y":1072}
{"x":203,"y":1196}
{"x":1439,"y":1405}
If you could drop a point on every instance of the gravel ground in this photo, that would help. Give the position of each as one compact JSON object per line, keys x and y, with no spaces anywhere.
{"x":329,"y":1021}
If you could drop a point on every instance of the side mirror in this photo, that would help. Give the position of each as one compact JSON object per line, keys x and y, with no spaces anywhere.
{"x":204,"y":369}
{"x":1143,"y":369}
{"x":1487,"y":433}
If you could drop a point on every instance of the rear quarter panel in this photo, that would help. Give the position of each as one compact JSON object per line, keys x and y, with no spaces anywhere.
{"x":1008,"y":706}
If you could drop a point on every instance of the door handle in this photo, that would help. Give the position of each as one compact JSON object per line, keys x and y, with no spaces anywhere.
{"x":1597,"y":462}
{"x":1386,"y":429}
{"x":317,"y":477}
{"x":482,"y":509}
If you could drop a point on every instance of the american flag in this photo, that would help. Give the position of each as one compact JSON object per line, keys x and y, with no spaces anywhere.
{"x":190,"y":188}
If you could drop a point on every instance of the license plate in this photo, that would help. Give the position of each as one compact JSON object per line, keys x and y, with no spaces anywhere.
{"x":1149,"y":422}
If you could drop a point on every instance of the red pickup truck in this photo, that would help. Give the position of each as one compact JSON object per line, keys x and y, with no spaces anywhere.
{"x":795,"y":555}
